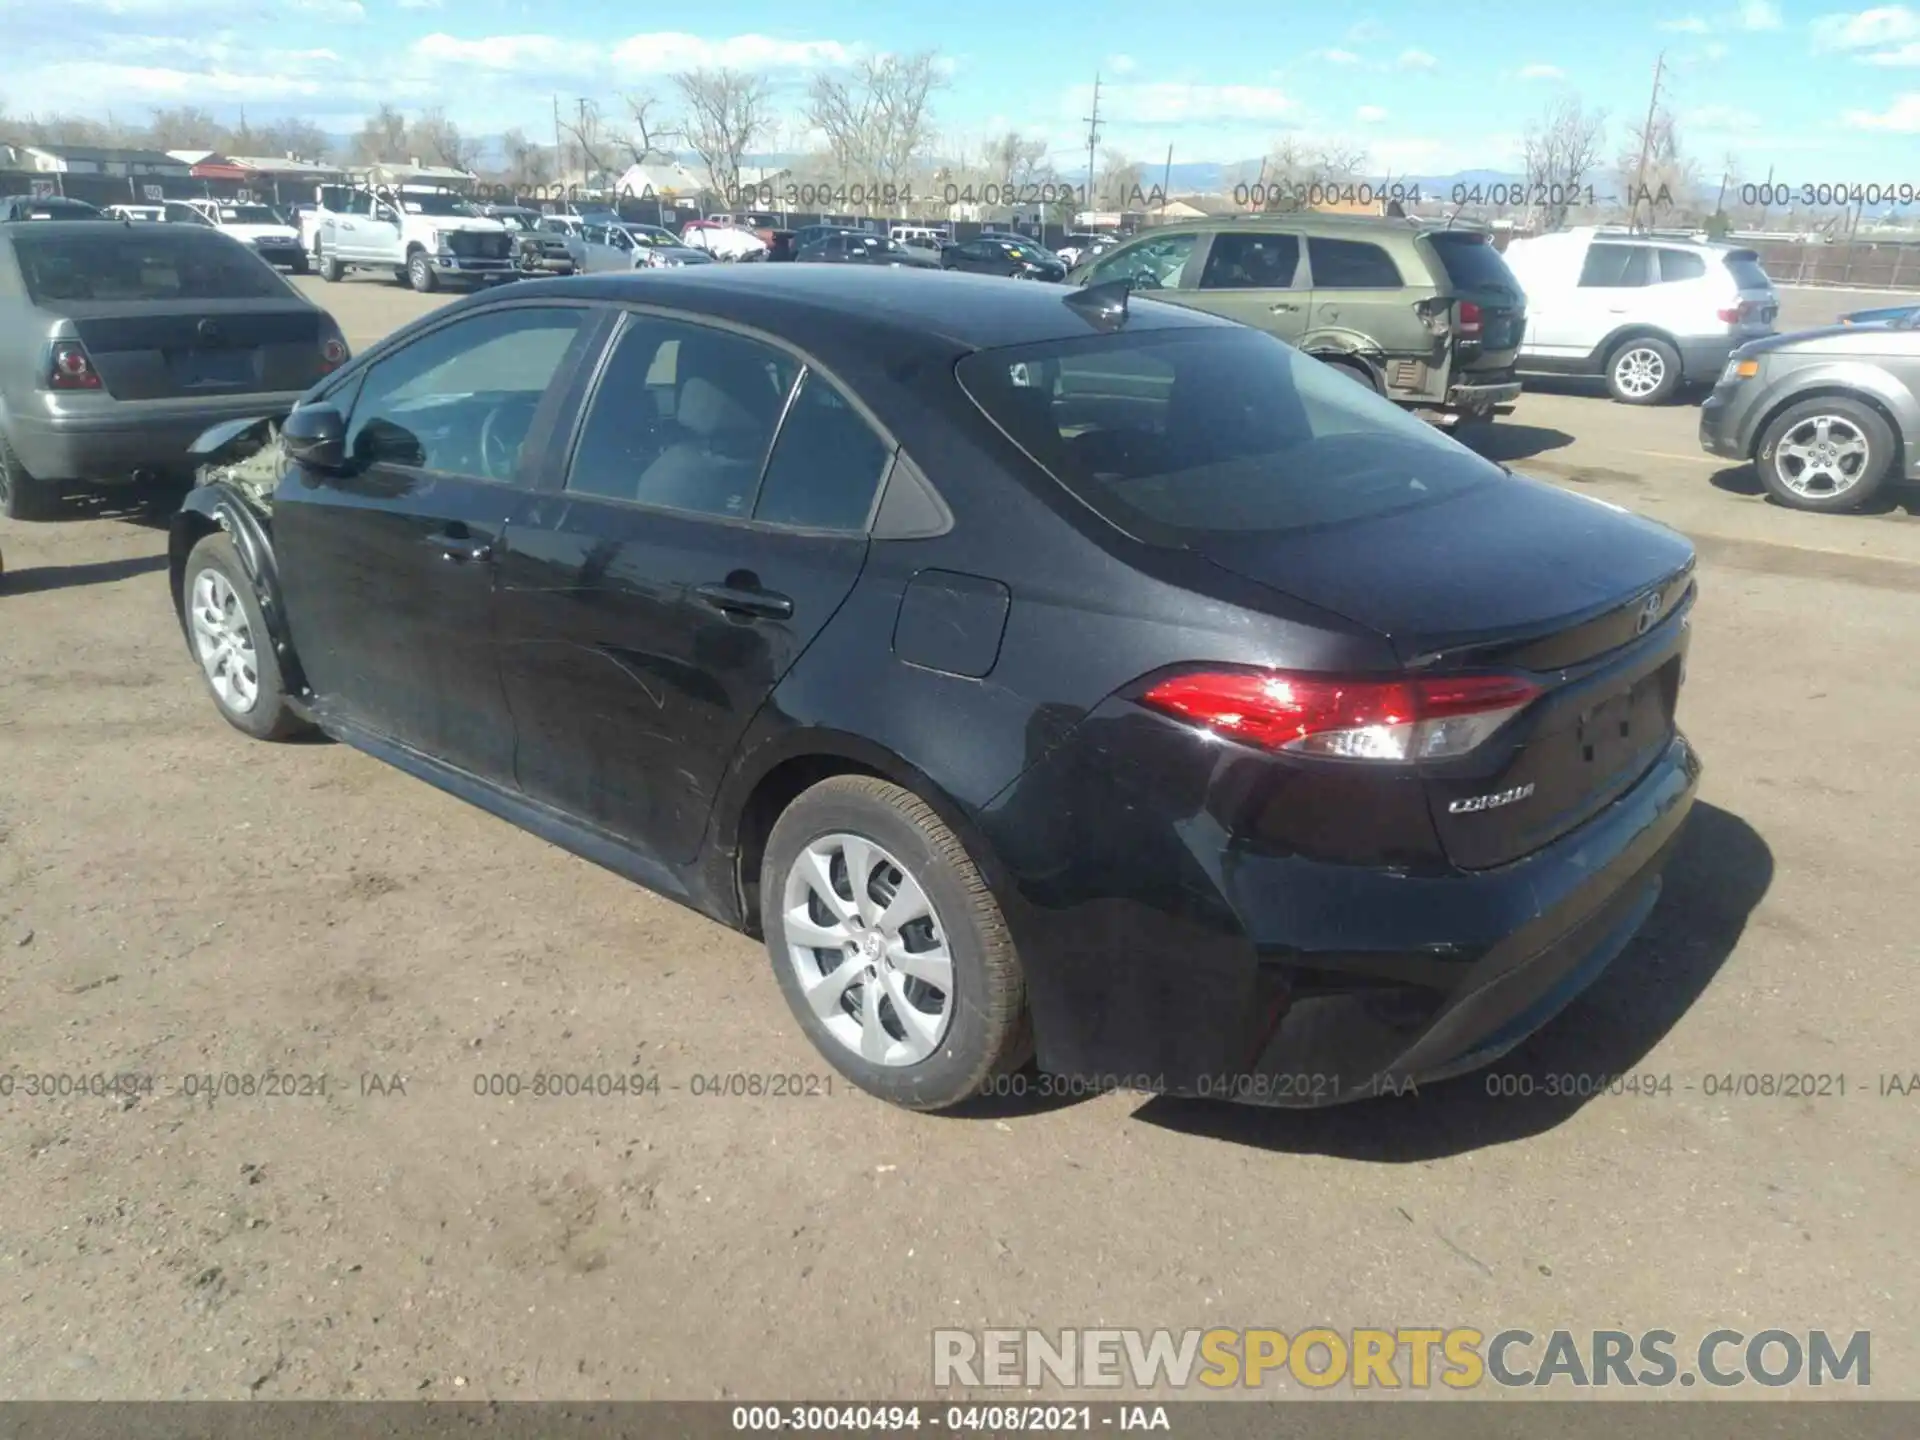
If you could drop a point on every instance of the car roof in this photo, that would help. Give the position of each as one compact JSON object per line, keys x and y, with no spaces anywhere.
{"x":838,"y":308}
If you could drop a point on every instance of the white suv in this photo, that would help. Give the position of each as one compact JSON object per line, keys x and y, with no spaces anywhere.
{"x":1648,"y":313}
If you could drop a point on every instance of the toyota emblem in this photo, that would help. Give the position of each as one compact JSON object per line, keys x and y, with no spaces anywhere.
{"x":1649,"y":613}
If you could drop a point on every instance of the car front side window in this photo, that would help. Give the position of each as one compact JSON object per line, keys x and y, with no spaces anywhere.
{"x":462,"y":399}
{"x":1151,"y":265}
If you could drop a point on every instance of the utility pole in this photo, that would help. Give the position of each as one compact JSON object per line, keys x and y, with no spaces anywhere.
{"x":1093,"y":137}
{"x":1166,"y":179}
{"x":585,"y":159}
{"x":1646,"y":144}
{"x":559,"y":151}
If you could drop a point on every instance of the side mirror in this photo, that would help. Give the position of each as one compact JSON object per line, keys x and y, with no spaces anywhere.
{"x":315,"y":436}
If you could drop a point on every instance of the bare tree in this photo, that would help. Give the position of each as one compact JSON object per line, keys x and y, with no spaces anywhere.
{"x":727,"y":111}
{"x":1562,"y":156}
{"x":1117,"y":186}
{"x":878,"y":119}
{"x":294,"y":136}
{"x":382,"y":137}
{"x":646,"y":136}
{"x":1666,"y":184}
{"x":438,"y":141}
{"x":1298,"y":175}
{"x":185,"y":128}
{"x":528,"y":163}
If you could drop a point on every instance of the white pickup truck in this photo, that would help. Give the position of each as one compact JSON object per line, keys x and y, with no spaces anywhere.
{"x":252,"y":225}
{"x":424,"y":236}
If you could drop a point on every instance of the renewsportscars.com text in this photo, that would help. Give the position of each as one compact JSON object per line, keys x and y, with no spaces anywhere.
{"x":1460,"y":1358}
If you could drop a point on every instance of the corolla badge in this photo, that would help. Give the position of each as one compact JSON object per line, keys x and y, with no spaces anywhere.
{"x":1491,"y":802}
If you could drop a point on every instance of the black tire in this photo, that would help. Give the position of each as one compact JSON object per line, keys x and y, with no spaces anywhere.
{"x":21,"y":496}
{"x":331,"y":270}
{"x":987,"y":1033}
{"x":269,"y":717}
{"x":299,"y":265}
{"x":1643,"y":371}
{"x":1869,"y":476}
{"x":420,"y":274}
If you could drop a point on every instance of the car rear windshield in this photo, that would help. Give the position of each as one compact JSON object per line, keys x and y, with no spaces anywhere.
{"x":1747,"y":271}
{"x":1471,"y":262}
{"x":142,"y":264}
{"x":1173,"y":435}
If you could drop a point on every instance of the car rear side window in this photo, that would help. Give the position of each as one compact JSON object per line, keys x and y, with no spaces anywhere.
{"x":1616,"y":267}
{"x":826,"y":465}
{"x":1680,"y":265}
{"x":1470,"y":261}
{"x":685,"y":432}
{"x":1351,"y":265}
{"x":144,"y":263}
{"x":1176,"y":434}
{"x":1251,"y":262}
{"x":1747,"y":271}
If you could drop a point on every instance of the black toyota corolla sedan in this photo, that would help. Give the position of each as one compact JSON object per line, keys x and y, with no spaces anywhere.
{"x":1042,"y":675}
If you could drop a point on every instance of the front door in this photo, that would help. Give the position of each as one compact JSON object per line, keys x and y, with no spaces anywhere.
{"x":389,"y":568}
{"x":1252,"y":277}
{"x":650,"y":606}
{"x":380,"y":233}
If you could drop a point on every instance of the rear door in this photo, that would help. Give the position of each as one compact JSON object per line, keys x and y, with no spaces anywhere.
{"x":709,"y":523}
{"x":1358,"y":288}
{"x":389,"y":569}
{"x":1254,"y":278}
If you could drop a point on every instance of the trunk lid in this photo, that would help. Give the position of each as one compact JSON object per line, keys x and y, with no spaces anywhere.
{"x":1588,"y":602}
{"x":165,"y":349}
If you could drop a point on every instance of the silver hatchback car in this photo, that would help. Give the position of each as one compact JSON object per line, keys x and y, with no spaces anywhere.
{"x":1828,"y":417}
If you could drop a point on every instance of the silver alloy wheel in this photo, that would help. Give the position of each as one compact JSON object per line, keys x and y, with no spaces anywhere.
{"x":1639,"y":371}
{"x":224,"y":641}
{"x":1822,"y":456}
{"x":870,"y":953}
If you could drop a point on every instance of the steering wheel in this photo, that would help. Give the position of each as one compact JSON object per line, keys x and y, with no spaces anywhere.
{"x":498,"y":454}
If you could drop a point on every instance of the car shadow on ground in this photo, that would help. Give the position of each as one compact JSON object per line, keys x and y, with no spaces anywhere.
{"x":1902,"y":498}
{"x":64,"y":577}
{"x":1716,"y":877}
{"x":1504,"y":441}
{"x":151,"y":507}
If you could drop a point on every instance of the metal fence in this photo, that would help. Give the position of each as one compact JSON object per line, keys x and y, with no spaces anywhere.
{"x":1855,"y":264}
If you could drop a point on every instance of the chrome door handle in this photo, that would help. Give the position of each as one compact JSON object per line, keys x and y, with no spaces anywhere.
{"x":763,"y":604}
{"x":1283,"y":305}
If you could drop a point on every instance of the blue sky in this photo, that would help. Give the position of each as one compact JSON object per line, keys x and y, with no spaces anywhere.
{"x":1816,"y":92}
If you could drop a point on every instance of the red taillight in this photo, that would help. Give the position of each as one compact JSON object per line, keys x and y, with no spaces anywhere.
{"x":1733,"y":315}
{"x":72,"y":369}
{"x":333,"y":353}
{"x":1406,"y":718}
{"x":1467,"y":322}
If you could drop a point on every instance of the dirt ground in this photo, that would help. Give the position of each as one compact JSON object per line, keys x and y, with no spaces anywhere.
{"x":179,"y":902}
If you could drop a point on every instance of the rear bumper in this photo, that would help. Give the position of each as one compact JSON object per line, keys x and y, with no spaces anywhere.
{"x":1162,"y":954}
{"x":109,"y":446}
{"x":1478,"y":393}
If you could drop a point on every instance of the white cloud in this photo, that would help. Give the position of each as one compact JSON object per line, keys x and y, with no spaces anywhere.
{"x":671,"y":51}
{"x":1542,"y":72}
{"x":1370,"y":114}
{"x":1416,"y":60}
{"x":1759,"y":15}
{"x":1336,"y":57}
{"x":1120,"y":64}
{"x":1685,"y":25}
{"x":1715,"y":50}
{"x":419,"y":4}
{"x":1866,"y":29}
{"x":159,"y":85}
{"x":1171,"y":103}
{"x":1900,"y":55}
{"x":509,"y":53}
{"x":1902,"y":117}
